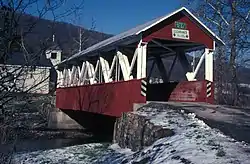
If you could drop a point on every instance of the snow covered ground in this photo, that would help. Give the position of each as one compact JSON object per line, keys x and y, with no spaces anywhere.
{"x":193,"y":143}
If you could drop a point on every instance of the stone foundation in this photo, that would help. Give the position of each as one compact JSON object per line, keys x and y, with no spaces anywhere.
{"x":135,"y":131}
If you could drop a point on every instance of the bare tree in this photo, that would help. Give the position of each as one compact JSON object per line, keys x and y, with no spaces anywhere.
{"x":82,"y":38}
{"x":230,"y":19}
{"x":16,"y":30}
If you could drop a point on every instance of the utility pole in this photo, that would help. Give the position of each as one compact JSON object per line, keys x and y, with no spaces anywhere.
{"x":80,"y":39}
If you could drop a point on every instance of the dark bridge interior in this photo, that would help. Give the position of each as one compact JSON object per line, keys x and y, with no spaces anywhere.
{"x":97,"y":124}
{"x":160,"y":92}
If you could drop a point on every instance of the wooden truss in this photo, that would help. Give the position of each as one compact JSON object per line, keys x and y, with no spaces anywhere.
{"x":180,"y":54}
{"x":208,"y":56}
{"x":121,"y":68}
{"x":104,"y":71}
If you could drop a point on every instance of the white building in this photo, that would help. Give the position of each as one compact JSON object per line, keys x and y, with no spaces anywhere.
{"x":31,"y":73}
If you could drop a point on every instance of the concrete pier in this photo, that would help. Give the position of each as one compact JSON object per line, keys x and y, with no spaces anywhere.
{"x":59,"y":120}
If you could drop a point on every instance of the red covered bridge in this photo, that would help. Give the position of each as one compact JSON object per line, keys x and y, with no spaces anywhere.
{"x":110,"y":76}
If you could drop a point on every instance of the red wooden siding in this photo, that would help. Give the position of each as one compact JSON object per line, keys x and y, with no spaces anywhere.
{"x":192,"y":91}
{"x":108,"y":99}
{"x":164,"y":31}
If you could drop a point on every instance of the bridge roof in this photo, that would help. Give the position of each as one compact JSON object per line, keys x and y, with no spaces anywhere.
{"x":136,"y":33}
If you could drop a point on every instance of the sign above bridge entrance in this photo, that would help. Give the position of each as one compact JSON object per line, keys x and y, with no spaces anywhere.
{"x":180,"y":25}
{"x":180,"y":34}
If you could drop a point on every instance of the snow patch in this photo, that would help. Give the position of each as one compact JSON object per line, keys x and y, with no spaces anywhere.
{"x":193,"y":142}
{"x":118,"y":149}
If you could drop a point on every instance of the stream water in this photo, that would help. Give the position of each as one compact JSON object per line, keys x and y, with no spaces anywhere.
{"x":44,"y":150}
{"x":45,"y":144}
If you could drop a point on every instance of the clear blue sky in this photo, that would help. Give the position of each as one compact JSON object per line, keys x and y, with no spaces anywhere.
{"x":115,"y":16}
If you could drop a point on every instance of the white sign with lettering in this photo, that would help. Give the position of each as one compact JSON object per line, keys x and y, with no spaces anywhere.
{"x":180,"y":34}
